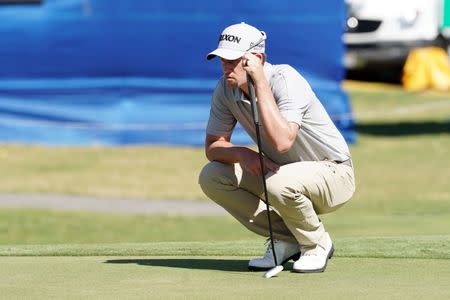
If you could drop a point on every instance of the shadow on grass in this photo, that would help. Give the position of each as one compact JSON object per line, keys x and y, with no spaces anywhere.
{"x":233,"y":265}
{"x":404,"y":128}
{"x":188,"y":263}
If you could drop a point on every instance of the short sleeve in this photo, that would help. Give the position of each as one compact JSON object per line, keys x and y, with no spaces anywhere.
{"x":292,"y":94}
{"x":221,"y":121}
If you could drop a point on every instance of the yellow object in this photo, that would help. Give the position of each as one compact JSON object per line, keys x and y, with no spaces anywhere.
{"x":427,"y":68}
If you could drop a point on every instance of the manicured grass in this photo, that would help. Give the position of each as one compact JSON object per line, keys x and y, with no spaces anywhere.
{"x":26,"y":226}
{"x":420,"y":247}
{"x":390,"y":103}
{"x":130,"y":172}
{"x":362,"y":268}
{"x":218,"y":277}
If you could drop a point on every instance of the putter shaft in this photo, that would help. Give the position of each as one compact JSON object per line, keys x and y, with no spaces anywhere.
{"x":251,"y":92}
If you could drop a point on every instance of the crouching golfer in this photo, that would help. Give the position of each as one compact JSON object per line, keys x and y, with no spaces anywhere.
{"x":308,"y":163}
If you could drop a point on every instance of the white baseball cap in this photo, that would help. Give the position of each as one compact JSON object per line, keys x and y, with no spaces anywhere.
{"x":238,"y":39}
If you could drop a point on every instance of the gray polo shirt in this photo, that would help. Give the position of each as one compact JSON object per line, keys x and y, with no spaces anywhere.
{"x":317,"y":139}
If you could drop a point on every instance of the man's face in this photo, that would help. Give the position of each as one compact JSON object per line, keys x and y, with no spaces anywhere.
{"x":234,"y":73}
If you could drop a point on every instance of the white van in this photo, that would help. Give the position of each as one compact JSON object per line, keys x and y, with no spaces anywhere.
{"x":380,"y":33}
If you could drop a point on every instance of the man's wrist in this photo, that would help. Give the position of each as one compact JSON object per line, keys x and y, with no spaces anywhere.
{"x":242,"y":152}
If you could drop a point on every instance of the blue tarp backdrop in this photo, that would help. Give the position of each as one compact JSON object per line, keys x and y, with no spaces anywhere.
{"x":78,"y":72}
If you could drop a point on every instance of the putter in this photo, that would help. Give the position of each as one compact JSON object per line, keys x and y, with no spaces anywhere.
{"x":251,"y":91}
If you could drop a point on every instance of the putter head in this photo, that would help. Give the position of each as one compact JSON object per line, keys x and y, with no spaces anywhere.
{"x":274,"y":271}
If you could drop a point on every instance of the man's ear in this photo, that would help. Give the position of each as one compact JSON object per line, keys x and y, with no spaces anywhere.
{"x":261,"y":56}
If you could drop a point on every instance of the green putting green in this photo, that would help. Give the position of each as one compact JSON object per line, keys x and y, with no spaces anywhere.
{"x":362,"y":268}
{"x":218,"y":277}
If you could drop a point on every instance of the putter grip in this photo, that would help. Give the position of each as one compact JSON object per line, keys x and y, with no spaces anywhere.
{"x":251,"y":94}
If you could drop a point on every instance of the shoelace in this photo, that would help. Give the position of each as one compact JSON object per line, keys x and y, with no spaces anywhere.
{"x":268,"y":244}
{"x":310,"y":251}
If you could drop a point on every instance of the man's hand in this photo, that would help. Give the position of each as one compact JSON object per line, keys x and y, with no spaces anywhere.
{"x":249,"y":161}
{"x":253,"y":65}
{"x":279,"y":131}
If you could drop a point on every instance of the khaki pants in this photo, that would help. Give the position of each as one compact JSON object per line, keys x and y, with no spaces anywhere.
{"x":298,"y":192}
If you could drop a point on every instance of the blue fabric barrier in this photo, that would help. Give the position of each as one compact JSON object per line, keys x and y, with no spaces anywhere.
{"x":78,"y":72}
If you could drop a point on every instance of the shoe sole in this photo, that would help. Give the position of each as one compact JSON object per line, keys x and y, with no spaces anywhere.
{"x":294,"y":257}
{"x":330,"y":255}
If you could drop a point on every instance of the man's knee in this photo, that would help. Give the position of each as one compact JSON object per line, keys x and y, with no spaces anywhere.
{"x":214,"y":174}
{"x":207,"y":173}
{"x":281,"y":191}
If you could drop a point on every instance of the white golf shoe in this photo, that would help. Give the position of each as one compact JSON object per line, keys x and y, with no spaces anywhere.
{"x":284,"y":251}
{"x":314,"y":259}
